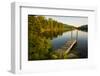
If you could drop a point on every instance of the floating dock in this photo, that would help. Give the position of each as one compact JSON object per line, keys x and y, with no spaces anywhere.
{"x":66,"y":48}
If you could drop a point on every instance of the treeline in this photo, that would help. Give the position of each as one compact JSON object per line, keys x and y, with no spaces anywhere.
{"x":42,"y":24}
{"x":83,"y":28}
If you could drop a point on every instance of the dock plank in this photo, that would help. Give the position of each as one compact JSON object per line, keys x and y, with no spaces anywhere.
{"x":65,"y":49}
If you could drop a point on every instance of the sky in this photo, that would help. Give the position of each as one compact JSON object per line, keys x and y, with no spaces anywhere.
{"x":71,"y":20}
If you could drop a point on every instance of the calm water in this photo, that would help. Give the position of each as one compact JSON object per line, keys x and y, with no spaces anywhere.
{"x":81,"y":47}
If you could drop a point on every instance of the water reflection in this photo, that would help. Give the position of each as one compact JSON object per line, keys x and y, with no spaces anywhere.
{"x":58,"y":39}
{"x":46,"y":42}
{"x":52,"y":34}
{"x":81,"y":48}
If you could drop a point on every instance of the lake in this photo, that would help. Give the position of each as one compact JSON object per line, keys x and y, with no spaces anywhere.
{"x":81,"y":47}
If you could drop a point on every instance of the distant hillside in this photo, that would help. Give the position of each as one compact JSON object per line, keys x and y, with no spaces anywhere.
{"x":69,"y":27}
{"x":83,"y":28}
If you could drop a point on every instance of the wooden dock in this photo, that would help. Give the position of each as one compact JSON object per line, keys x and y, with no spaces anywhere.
{"x":65,"y":49}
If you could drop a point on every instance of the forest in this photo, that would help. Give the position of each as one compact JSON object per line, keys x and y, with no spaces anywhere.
{"x":40,"y":32}
{"x":83,"y":28}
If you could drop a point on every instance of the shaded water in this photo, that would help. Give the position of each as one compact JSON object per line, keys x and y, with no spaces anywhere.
{"x":81,"y":48}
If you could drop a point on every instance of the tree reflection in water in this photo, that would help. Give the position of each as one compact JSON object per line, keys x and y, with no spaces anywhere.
{"x":40,"y":45}
{"x":40,"y":33}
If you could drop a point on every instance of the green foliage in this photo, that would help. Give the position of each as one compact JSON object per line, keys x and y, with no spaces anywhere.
{"x":83,"y":28}
{"x":53,"y":56}
{"x":40,"y":31}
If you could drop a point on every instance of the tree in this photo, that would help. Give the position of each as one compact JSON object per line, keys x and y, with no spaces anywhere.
{"x":40,"y":32}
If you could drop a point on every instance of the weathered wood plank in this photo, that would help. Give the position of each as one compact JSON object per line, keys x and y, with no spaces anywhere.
{"x":68,"y":50}
{"x":66,"y":47}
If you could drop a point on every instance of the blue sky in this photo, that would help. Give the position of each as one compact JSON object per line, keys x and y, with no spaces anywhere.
{"x":75,"y":21}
